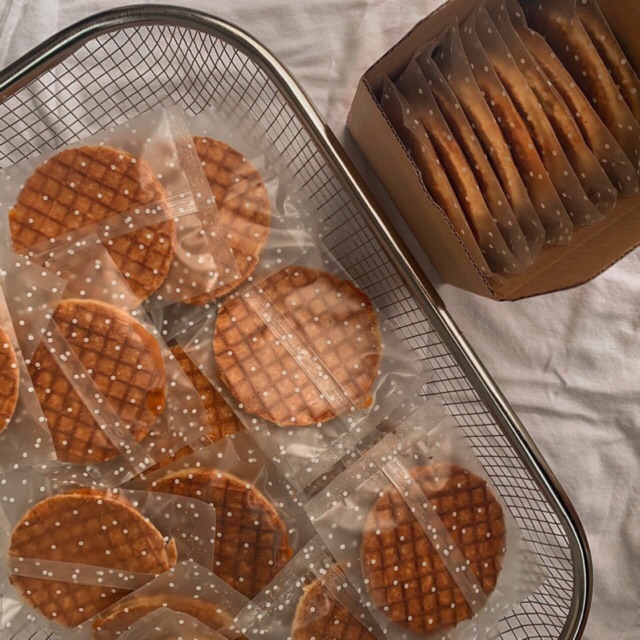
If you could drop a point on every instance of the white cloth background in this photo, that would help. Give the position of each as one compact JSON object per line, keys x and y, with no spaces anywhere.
{"x":569,"y":362}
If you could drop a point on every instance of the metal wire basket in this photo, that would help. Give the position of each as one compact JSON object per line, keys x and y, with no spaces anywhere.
{"x":121,"y":63}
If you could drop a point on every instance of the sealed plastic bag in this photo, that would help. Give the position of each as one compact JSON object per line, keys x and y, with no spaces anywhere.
{"x":307,"y":362}
{"x":311,"y":599}
{"x":137,"y":186}
{"x":70,"y":549}
{"x":621,"y":171}
{"x":188,"y":588}
{"x":547,"y":114}
{"x":25,"y":440}
{"x":486,"y":102}
{"x":113,"y":394}
{"x":438,"y":188}
{"x":491,"y":219}
{"x":422,"y":535}
{"x":166,"y":624}
{"x":558,"y":22}
{"x":259,"y":524}
{"x":495,"y":177}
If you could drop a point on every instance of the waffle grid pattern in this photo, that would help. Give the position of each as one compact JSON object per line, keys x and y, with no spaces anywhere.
{"x":251,"y":539}
{"x":79,"y":187}
{"x":89,"y":529}
{"x":332,"y":319}
{"x":9,"y":380}
{"x":407,"y":578}
{"x":109,"y":346}
{"x":244,"y":208}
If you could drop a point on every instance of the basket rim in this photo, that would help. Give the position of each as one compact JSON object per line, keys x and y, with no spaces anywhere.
{"x":63,"y":44}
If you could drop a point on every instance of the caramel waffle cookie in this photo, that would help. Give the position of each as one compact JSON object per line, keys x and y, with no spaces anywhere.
{"x":252,"y":544}
{"x":82,"y":186}
{"x":244,"y":208}
{"x":126,"y":366}
{"x":121,"y":617}
{"x":404,"y":573}
{"x":9,"y":380}
{"x":90,"y":528}
{"x":320,"y":615}
{"x":301,"y":348}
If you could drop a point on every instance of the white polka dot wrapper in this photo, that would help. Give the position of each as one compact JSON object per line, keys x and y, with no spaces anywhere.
{"x":423,"y":535}
{"x":70,"y":548}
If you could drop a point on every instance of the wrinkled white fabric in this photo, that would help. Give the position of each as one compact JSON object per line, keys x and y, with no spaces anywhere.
{"x":569,"y":362}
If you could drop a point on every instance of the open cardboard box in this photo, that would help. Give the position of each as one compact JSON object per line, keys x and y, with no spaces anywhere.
{"x":592,"y":249}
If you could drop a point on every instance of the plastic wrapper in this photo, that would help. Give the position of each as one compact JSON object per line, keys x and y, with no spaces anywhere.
{"x":558,"y":22}
{"x":259,"y":522}
{"x":494,"y":226}
{"x":612,"y":158}
{"x":188,"y":590}
{"x":70,"y":548}
{"x":604,"y":40}
{"x":310,"y":599}
{"x":548,"y":109}
{"x":422,"y":535}
{"x":307,"y":362}
{"x":438,"y":188}
{"x":497,"y":178}
{"x":486,"y":103}
{"x":165,"y":624}
{"x":113,"y":394}
{"x":137,"y":186}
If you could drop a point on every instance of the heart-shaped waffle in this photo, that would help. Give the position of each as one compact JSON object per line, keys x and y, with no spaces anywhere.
{"x":9,"y":380}
{"x":90,"y":528}
{"x":244,"y":208}
{"x":79,"y":187}
{"x":404,"y":573}
{"x":252,"y":544}
{"x":126,"y":365}
{"x":327,"y":364}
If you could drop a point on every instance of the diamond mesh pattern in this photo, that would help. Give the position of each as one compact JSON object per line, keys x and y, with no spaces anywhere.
{"x":251,"y":539}
{"x":9,"y":379}
{"x":407,"y":579}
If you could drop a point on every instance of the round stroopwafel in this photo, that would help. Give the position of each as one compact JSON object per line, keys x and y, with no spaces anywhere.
{"x":337,"y":334}
{"x":405,"y":576}
{"x":90,"y":528}
{"x":319,"y":616}
{"x":79,"y":187}
{"x":9,"y":380}
{"x":121,"y":617}
{"x":252,"y":544}
{"x":244,"y":208}
{"x":125,"y":364}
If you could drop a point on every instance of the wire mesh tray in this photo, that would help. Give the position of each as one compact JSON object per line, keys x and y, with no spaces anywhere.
{"x":119,"y":64}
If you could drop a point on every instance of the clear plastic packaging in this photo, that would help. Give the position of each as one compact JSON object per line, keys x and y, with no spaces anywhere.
{"x":187,"y":589}
{"x":113,"y":394}
{"x":495,"y":227}
{"x":259,"y":522}
{"x":490,"y":166}
{"x":558,"y":22}
{"x":137,"y":187}
{"x":70,"y":548}
{"x":500,"y":127}
{"x":310,"y":599}
{"x":547,"y":113}
{"x":166,"y":624}
{"x":422,"y":535}
{"x":621,"y":171}
{"x":307,"y":362}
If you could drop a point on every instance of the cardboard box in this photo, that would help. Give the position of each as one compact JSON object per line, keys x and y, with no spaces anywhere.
{"x":592,"y":250}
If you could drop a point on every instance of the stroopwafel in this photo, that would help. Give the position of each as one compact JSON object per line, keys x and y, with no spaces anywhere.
{"x":252,"y":543}
{"x":336,"y":347}
{"x":79,"y":187}
{"x":125,"y":364}
{"x":405,"y":576}
{"x":9,"y":380}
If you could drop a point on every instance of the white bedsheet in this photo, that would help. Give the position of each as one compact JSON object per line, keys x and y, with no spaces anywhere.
{"x":568,"y":362}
